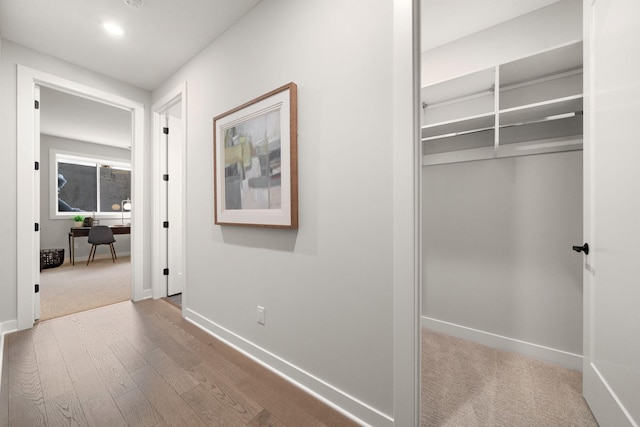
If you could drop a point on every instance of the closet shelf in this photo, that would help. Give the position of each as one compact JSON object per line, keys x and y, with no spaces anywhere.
{"x":537,"y":109}
{"x":478,"y":121}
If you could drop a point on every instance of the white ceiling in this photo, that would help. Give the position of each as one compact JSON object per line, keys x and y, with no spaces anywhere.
{"x":159,"y":37}
{"x":163,"y":35}
{"x":444,"y":21}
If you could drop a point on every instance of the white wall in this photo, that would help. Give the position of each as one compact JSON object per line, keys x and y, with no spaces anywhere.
{"x":13,"y":54}
{"x":539,"y":30}
{"x":70,"y":116}
{"x":497,"y":238}
{"x":327,"y":287}
{"x":497,"y":234}
{"x":54,"y":232}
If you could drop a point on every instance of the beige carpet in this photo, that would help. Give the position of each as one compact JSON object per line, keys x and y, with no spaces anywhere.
{"x":466,"y":384}
{"x":70,"y":289}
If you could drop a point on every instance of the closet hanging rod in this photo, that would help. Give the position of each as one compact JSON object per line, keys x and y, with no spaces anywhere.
{"x":543,"y":119}
{"x":452,"y":134}
{"x":503,"y":126}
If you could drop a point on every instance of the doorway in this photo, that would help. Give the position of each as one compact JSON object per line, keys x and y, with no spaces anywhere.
{"x":28,"y":249}
{"x":502,"y":194}
{"x":85,"y":170}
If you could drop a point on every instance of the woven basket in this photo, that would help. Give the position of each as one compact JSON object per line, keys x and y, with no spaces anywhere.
{"x":51,"y":258}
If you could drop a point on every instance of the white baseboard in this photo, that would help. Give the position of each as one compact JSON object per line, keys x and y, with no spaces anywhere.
{"x":5,"y":328}
{"x":147,"y":294}
{"x":351,"y":407}
{"x":535,"y":351}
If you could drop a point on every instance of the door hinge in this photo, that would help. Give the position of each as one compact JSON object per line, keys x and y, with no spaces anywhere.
{"x":37,"y":226}
{"x":165,"y":272}
{"x":37,"y":166}
{"x":165,"y":224}
{"x":165,"y":177}
{"x":165,"y":131}
{"x":36,"y":104}
{"x":37,"y":288}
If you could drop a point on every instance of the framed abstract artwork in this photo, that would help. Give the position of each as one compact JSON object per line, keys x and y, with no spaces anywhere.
{"x":256,"y":163}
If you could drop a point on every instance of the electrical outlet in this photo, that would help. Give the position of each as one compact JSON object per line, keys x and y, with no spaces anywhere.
{"x":261,"y":315}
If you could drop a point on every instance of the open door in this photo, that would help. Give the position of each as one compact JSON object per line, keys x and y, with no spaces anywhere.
{"x":612,"y":211}
{"x":174,"y":206}
{"x":36,"y":203}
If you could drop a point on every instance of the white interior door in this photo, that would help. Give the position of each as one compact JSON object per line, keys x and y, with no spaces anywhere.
{"x":175,"y":281}
{"x":612,"y":211}
{"x":36,"y":204}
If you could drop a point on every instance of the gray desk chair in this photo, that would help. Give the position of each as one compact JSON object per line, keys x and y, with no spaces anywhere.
{"x":101,"y":235}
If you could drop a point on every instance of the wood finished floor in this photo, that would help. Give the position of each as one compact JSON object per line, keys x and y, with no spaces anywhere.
{"x":143,"y":365}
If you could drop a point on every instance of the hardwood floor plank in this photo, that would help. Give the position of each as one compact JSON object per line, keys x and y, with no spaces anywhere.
{"x":118,"y":342}
{"x":103,"y":411}
{"x":172,"y":373}
{"x":54,"y":378}
{"x":109,"y":368}
{"x":212,"y":411}
{"x":61,"y":403}
{"x":181,"y":355}
{"x":64,"y":410}
{"x":23,"y":367}
{"x":24,"y":411}
{"x":136,"y":409}
{"x":105,"y":329}
{"x":265,"y":419}
{"x":171,"y":407}
{"x":198,"y":341}
{"x":137,"y":315}
{"x":126,"y":353}
{"x":26,"y":404}
{"x":288,"y":411}
{"x":86,"y":381}
{"x":236,"y":401}
{"x":129,"y":326}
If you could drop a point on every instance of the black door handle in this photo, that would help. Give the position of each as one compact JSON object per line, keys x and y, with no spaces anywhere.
{"x":584,"y":248}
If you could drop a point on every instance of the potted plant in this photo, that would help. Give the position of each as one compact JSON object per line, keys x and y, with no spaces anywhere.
{"x":78,"y":220}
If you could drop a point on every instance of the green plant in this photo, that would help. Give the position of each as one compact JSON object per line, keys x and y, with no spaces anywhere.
{"x":78,"y":218}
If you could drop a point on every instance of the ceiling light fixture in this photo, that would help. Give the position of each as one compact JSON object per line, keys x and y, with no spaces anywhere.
{"x":113,"y":29}
{"x":134,"y":3}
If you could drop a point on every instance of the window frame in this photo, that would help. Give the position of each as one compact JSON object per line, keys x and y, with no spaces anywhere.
{"x":55,"y":156}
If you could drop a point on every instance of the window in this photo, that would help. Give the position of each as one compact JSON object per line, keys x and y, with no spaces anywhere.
{"x":88,"y":185}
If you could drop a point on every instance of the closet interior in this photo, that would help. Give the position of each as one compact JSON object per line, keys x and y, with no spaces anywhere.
{"x":502,"y":196}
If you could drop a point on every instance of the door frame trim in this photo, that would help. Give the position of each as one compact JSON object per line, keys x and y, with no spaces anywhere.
{"x":407,"y":196}
{"x":27,"y":80}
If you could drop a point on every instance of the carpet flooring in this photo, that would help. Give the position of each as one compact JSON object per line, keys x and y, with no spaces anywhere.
{"x":73,"y":288}
{"x":467,"y":384}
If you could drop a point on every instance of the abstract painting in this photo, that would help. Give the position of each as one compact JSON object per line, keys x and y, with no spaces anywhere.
{"x":255,"y":162}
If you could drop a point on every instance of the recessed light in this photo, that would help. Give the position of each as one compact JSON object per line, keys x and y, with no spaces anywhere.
{"x":134,"y":3}
{"x":113,"y":29}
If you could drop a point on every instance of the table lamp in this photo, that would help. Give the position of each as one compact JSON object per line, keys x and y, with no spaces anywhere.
{"x":126,"y":206}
